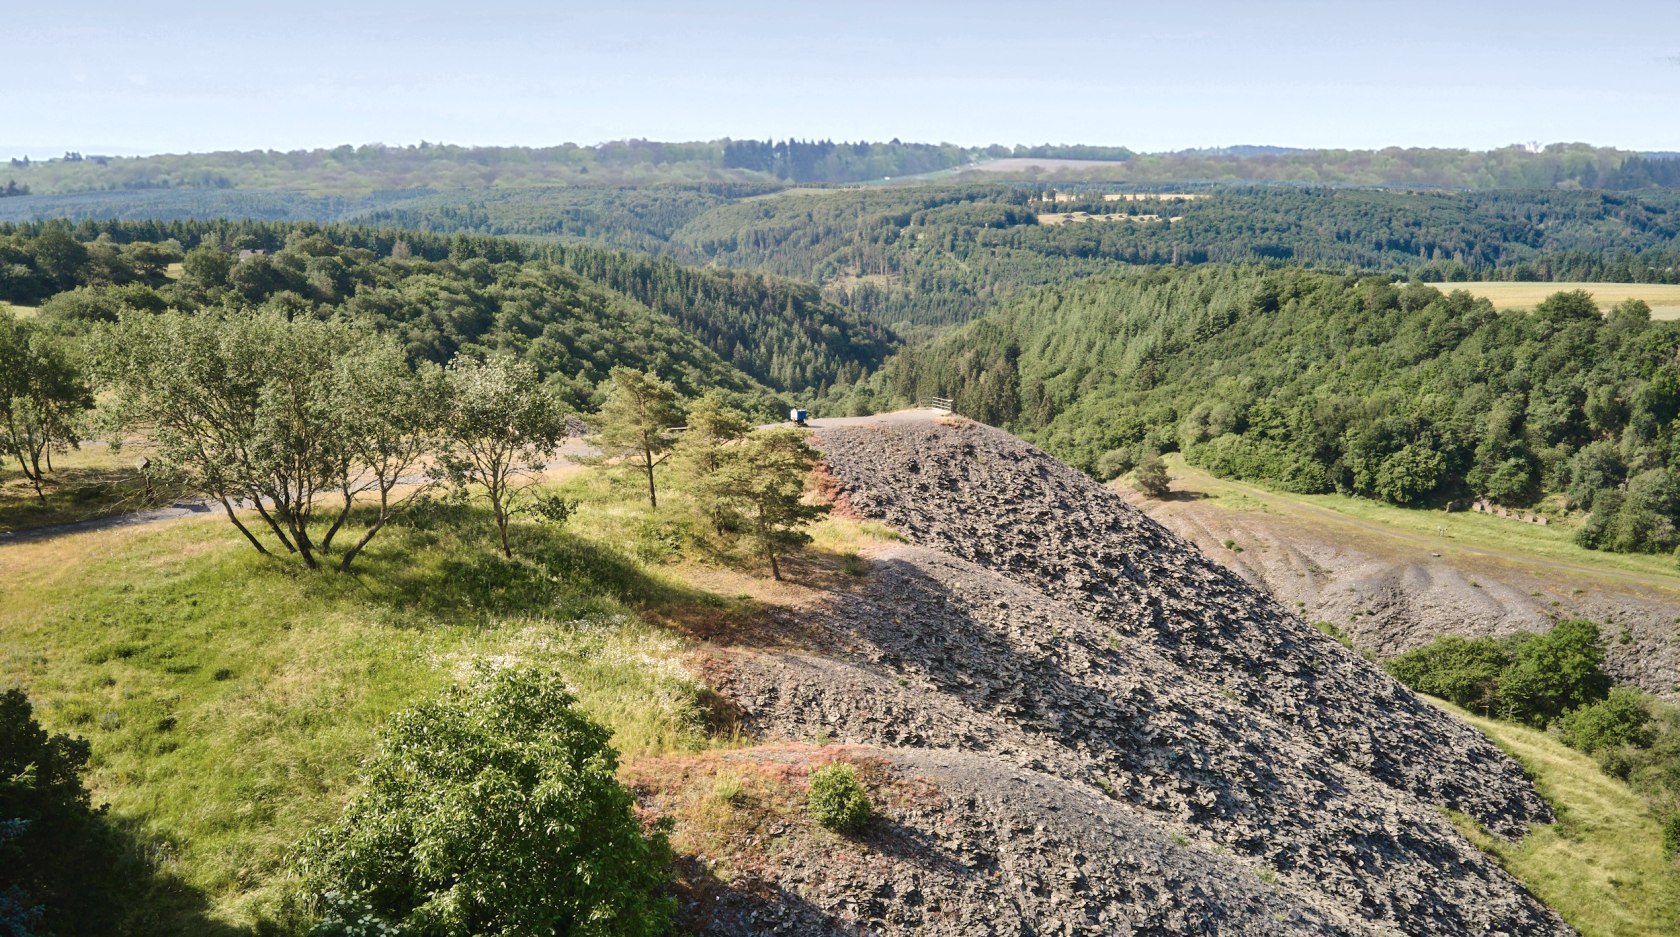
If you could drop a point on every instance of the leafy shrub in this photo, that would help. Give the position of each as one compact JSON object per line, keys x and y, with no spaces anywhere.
{"x":554,"y":509}
{"x":1151,"y":476}
{"x":837,"y":799}
{"x":1530,"y":678}
{"x":1340,"y":635}
{"x":1553,"y":673}
{"x":1462,"y":671}
{"x":1114,"y":463}
{"x":492,"y":810}
{"x":661,"y":539}
{"x":1234,"y":456}
{"x":1622,"y":718}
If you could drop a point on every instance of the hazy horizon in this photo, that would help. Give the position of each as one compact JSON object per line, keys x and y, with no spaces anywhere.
{"x":1302,"y":74}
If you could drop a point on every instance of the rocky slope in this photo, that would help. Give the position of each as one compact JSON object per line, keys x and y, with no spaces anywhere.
{"x":1119,"y":736}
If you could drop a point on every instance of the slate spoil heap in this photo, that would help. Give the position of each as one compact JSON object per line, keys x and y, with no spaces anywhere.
{"x":1124,"y":737}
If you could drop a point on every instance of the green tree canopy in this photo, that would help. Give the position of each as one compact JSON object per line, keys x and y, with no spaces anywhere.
{"x":500,"y":427}
{"x":493,"y":810}
{"x":763,"y":481}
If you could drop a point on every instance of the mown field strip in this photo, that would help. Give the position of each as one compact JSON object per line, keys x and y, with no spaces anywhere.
{"x":1663,"y":298}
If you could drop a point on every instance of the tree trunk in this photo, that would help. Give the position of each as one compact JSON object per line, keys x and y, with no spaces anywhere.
{"x":647,"y":459}
{"x":273,"y":524}
{"x":350,"y":554}
{"x":384,"y":515}
{"x":501,"y":523}
{"x":326,"y":542}
{"x":33,"y":473}
{"x":242,"y":528}
{"x":300,"y":535}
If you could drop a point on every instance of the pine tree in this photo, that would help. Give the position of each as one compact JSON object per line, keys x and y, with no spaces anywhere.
{"x":713,"y":429}
{"x":634,"y":425}
{"x":763,"y":479}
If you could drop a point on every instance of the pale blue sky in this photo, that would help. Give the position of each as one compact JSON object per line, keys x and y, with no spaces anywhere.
{"x":103,"y":77}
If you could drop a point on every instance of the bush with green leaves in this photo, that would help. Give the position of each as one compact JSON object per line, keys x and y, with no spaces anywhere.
{"x":1622,"y":718}
{"x":1463,"y":671}
{"x":1529,"y":678}
{"x":494,"y":809}
{"x":837,"y":799}
{"x":1553,"y":673}
{"x":1151,"y":476}
{"x":1114,"y":463}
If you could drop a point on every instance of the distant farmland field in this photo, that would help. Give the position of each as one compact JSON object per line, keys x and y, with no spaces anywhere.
{"x":1044,"y":164}
{"x":1663,"y":298}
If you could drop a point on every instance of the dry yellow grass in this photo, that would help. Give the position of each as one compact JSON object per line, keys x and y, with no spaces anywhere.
{"x":1663,"y":298}
{"x":1078,"y":217}
{"x":1151,"y":197}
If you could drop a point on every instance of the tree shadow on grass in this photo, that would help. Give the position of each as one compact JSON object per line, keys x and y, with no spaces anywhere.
{"x":110,"y":883}
{"x":443,"y":563}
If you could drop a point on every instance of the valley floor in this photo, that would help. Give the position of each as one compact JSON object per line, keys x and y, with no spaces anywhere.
{"x":1394,"y":579}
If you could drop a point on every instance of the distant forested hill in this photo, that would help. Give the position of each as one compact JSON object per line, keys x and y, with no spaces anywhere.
{"x":573,"y":311}
{"x":1559,"y":166}
{"x":372,"y":168}
{"x":941,"y":254}
{"x":1317,"y":383}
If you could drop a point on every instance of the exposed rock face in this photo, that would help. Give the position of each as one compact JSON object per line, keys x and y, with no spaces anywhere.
{"x":1042,"y":628}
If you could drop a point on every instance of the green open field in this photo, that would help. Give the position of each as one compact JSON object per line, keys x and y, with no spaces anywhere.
{"x":1601,"y":865}
{"x":1663,"y":298}
{"x":230,"y":698}
{"x":1489,"y":538}
{"x":22,"y":312}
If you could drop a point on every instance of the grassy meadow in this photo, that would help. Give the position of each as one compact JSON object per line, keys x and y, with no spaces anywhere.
{"x":1495,"y":539}
{"x":1601,"y":866}
{"x":1663,"y":298}
{"x":229,"y":697}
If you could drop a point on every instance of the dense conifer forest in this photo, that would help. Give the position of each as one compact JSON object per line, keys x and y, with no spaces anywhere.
{"x":573,"y":310}
{"x":930,"y":255}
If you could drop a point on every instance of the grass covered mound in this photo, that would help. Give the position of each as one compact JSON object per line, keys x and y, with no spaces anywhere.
{"x":231,"y":699}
